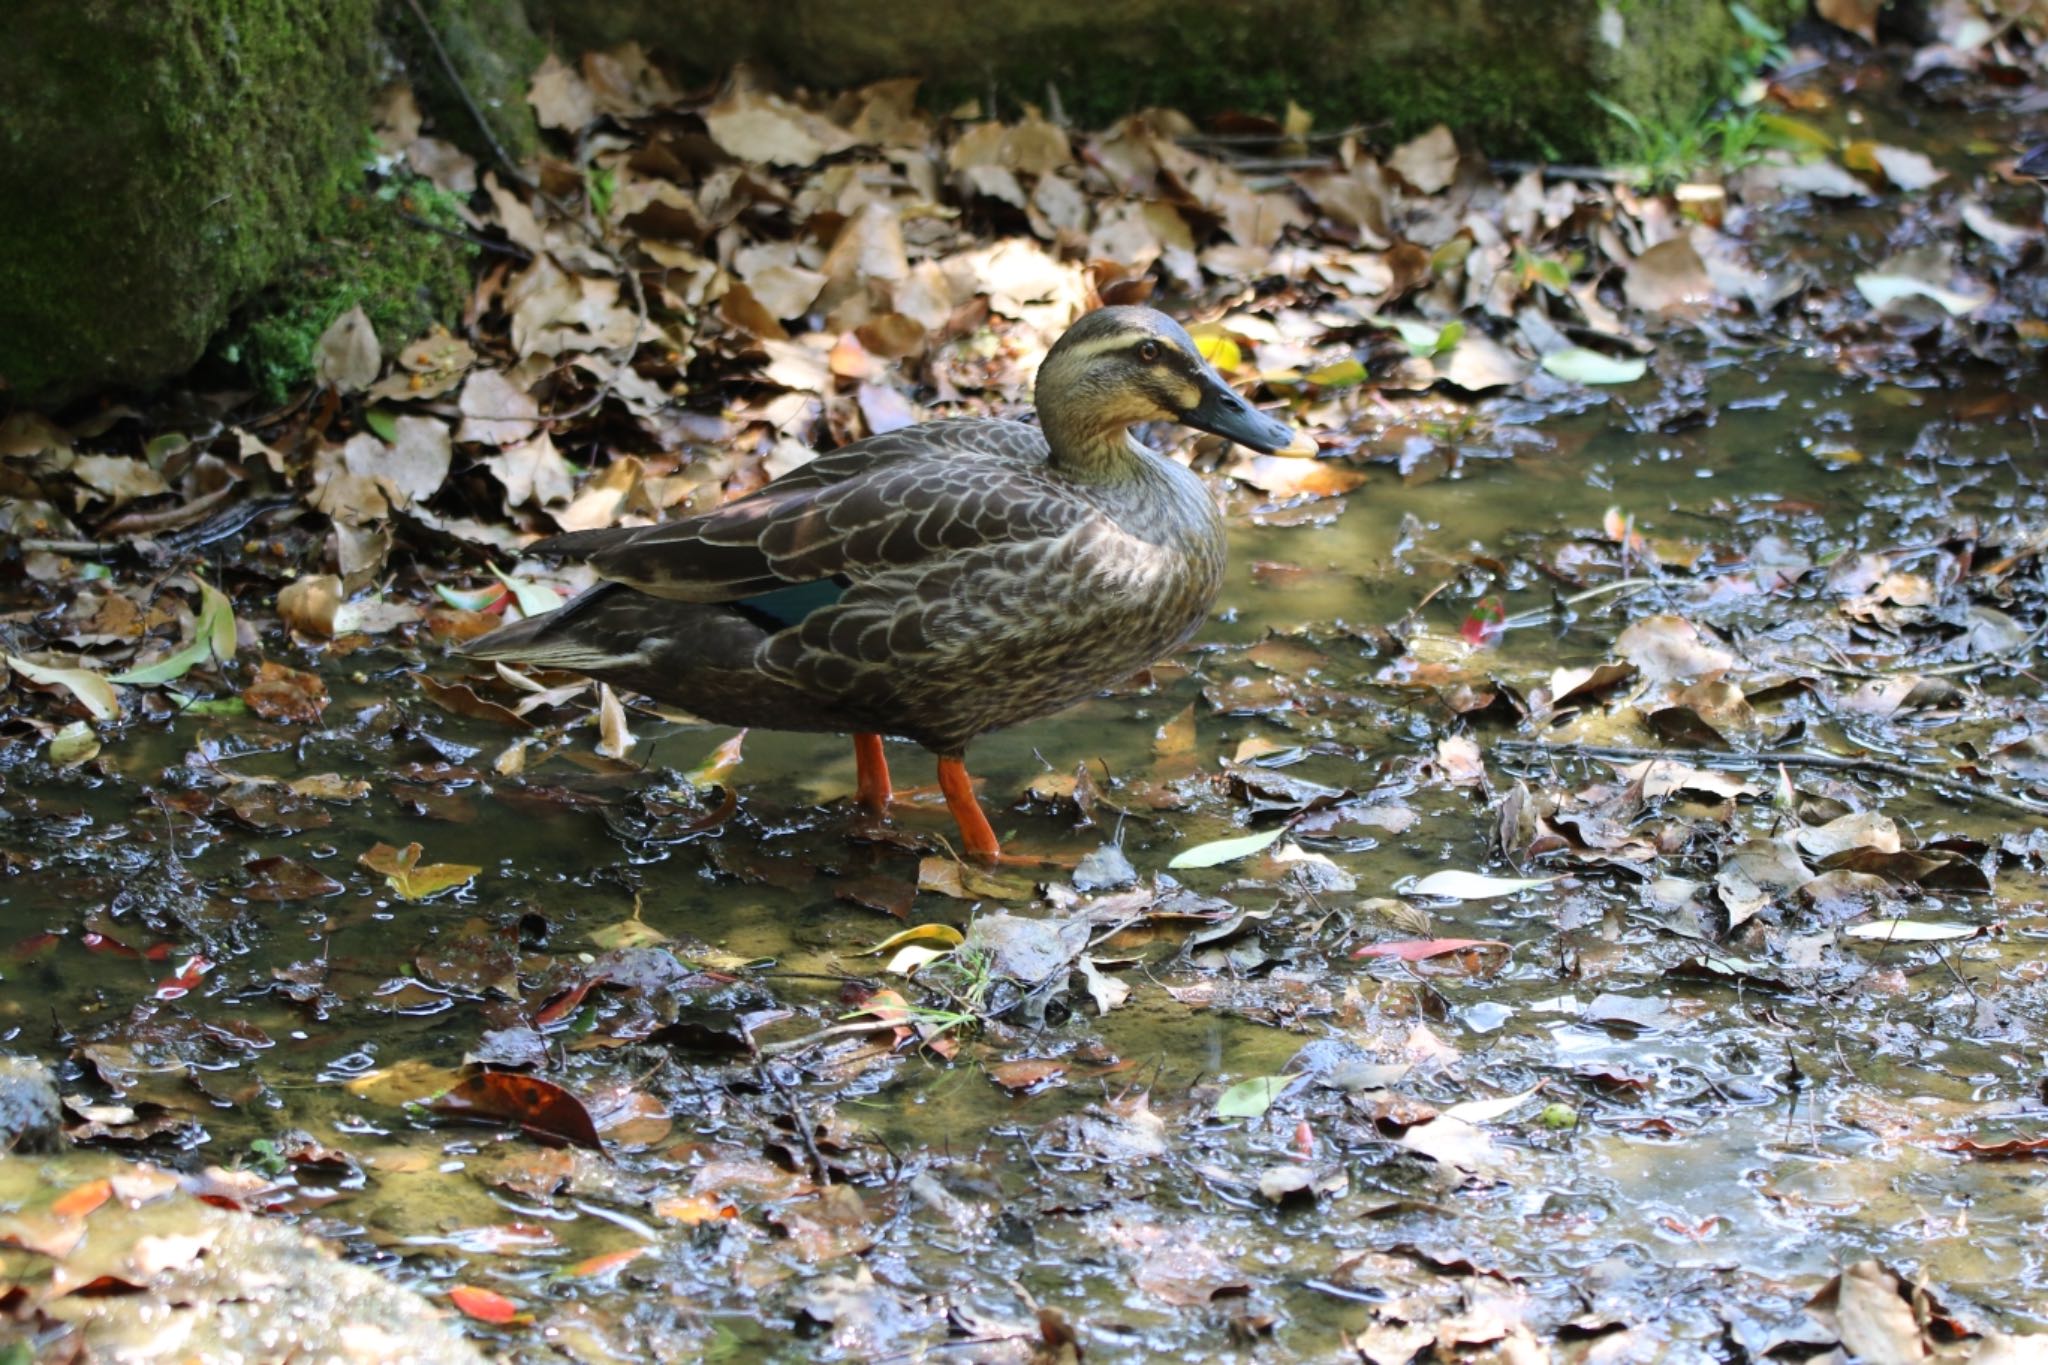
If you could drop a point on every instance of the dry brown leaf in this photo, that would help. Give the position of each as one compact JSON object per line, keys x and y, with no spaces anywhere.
{"x":347,"y":357}
{"x":533,"y":472}
{"x":764,"y":128}
{"x":1857,"y":16}
{"x":560,"y":97}
{"x":118,"y":477}
{"x":494,"y":411}
{"x":308,"y":604}
{"x":1668,"y":279}
{"x":1429,"y":162}
{"x":615,"y":740}
{"x":1671,"y":649}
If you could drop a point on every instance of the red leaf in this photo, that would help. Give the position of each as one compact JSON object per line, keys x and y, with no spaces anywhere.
{"x":1485,"y":624}
{"x":79,"y":1202}
{"x":1470,"y":956}
{"x":605,"y":1263}
{"x":483,"y":1304}
{"x":540,"y":1108}
{"x":2010,"y":1148}
{"x":190,"y":971}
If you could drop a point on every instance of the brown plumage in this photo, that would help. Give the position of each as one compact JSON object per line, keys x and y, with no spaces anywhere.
{"x":933,"y":583}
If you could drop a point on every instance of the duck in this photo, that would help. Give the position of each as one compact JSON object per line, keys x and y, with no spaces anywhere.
{"x":933,"y":583}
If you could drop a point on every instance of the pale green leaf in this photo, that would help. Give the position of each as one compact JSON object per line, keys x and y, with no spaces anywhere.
{"x":213,"y":637}
{"x":74,"y":744}
{"x":1249,"y":1099}
{"x":1583,"y":366}
{"x":535,"y":599}
{"x":1225,"y":850}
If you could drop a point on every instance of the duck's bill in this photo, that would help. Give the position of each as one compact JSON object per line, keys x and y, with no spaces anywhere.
{"x":1224,"y":412}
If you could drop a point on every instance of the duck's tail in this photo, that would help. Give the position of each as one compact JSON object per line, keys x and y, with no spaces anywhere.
{"x":599,"y":632}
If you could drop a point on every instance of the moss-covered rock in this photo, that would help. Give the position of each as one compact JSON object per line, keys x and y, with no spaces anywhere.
{"x":159,"y":162}
{"x":1514,"y":76}
{"x":493,"y":51}
{"x":394,"y":251}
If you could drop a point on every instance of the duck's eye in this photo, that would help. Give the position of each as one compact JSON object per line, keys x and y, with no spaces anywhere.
{"x":1148,"y":351}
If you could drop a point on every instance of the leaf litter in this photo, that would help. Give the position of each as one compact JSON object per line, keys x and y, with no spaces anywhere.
{"x":1704,"y":809}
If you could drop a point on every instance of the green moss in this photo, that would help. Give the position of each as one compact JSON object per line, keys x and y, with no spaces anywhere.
{"x":378,"y":249}
{"x":1513,"y":76}
{"x":493,"y":50}
{"x":158,"y":162}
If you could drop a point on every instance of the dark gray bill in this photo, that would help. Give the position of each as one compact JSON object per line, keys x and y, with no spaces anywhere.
{"x":1223,"y":412}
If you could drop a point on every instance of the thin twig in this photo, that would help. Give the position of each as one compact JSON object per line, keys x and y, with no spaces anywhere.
{"x":475,"y":110}
{"x":825,"y":1034}
{"x":1954,"y":787}
{"x":798,"y":1119}
{"x":1605,"y":175}
{"x":481,"y":243}
{"x":1954,"y":670}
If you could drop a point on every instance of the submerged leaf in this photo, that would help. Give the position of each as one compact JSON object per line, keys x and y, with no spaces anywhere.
{"x":404,"y":875}
{"x":1249,"y":1099}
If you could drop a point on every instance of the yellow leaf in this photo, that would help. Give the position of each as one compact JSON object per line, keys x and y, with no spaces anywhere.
{"x":1176,"y":738}
{"x":404,"y":875}
{"x":94,"y":692}
{"x":719,"y":765}
{"x":1341,"y":374}
{"x":944,"y":934}
{"x":1217,"y":347}
{"x":404,"y":1083}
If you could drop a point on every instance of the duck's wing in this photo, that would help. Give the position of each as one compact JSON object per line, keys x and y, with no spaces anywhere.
{"x":889,"y":502}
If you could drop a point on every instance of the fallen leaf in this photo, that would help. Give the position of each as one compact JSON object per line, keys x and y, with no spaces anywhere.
{"x":1472,"y":956}
{"x":286,"y":694}
{"x":404,"y":875}
{"x":1471,"y":886}
{"x":1428,"y":162}
{"x":1249,"y":1099}
{"x":1911,"y":931}
{"x":1225,"y":850}
{"x":93,"y":692}
{"x":485,"y":1305}
{"x":347,"y":357}
{"x":1583,"y":366}
{"x":537,"y":1107}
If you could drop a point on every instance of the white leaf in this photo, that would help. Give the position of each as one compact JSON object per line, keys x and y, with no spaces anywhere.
{"x":1486,"y":1111}
{"x":1911,"y":931}
{"x":1471,"y":886}
{"x":615,"y":740}
{"x":1886,"y":292}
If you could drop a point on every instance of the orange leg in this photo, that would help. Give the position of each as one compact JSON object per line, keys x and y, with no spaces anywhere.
{"x":975,"y":834}
{"x":872,"y":769}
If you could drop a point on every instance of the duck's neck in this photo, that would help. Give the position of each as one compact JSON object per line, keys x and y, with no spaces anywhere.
{"x":1087,"y":446}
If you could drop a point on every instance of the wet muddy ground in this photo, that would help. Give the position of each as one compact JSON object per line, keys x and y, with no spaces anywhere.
{"x":1650,"y":931}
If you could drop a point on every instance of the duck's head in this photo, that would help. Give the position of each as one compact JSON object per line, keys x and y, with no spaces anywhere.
{"x":1120,"y":366}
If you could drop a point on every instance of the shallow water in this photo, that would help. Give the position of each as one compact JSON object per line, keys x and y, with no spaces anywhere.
{"x":1729,"y":1153}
